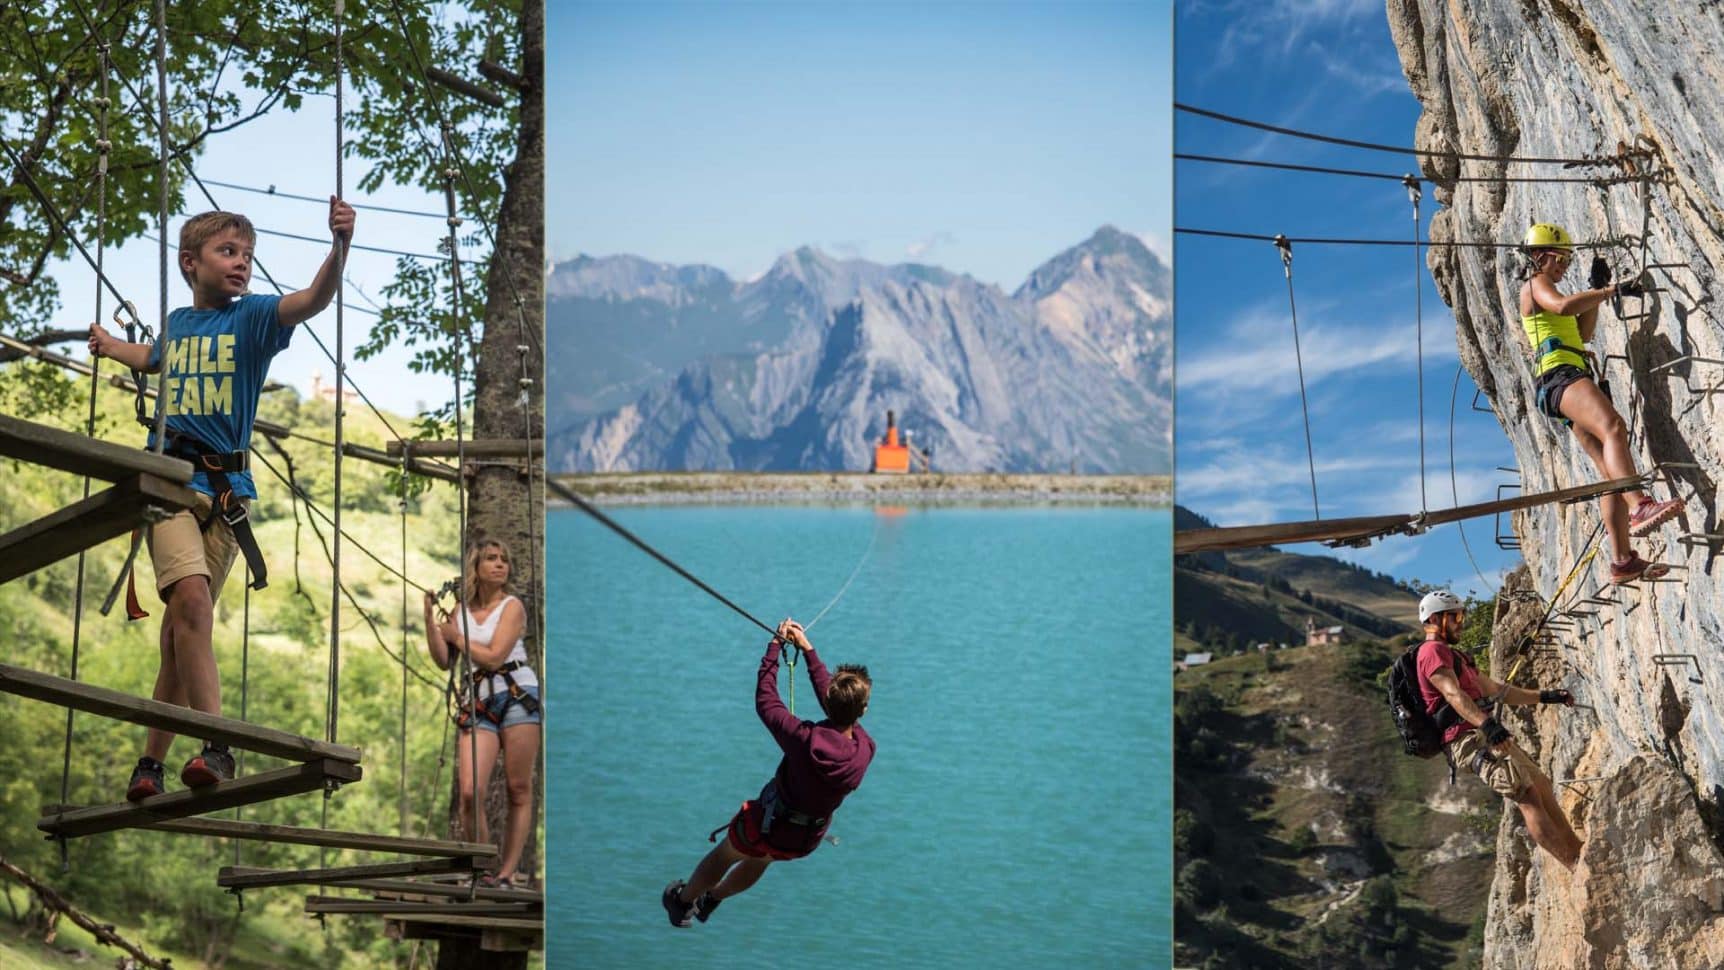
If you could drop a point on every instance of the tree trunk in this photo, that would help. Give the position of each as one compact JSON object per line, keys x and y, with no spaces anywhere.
{"x":505,"y":495}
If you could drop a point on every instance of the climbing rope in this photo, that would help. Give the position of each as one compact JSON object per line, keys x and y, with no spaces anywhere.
{"x":1356,"y":173}
{"x":332,"y":718}
{"x":1414,"y":194}
{"x":1286,"y":249}
{"x":159,"y":432}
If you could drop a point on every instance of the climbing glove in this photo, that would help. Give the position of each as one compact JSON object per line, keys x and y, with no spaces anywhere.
{"x":1599,"y":277}
{"x":1634,"y":287}
{"x":1556,"y":697}
{"x":1495,"y":733}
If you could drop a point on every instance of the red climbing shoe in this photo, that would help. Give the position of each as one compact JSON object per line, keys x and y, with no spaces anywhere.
{"x":146,"y":780}
{"x":1649,"y":515}
{"x":213,"y":765}
{"x":1633,"y":568}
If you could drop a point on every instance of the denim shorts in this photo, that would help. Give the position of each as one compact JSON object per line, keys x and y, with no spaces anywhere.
{"x":515,"y":714}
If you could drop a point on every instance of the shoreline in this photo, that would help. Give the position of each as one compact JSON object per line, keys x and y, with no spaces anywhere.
{"x":767,"y":488}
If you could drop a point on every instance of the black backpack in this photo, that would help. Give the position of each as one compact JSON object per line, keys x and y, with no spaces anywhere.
{"x":1421,"y":732}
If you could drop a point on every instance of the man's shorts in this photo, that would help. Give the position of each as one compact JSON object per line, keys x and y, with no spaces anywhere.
{"x":1508,"y":775}
{"x":514,"y":715}
{"x":178,"y":549}
{"x":745,"y":836}
{"x":1548,"y":388}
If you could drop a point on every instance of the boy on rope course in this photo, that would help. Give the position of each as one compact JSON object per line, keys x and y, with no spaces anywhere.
{"x":213,"y":370}
{"x":1558,"y":328}
{"x":508,"y":715}
{"x":823,"y":762}
{"x":1460,"y":700}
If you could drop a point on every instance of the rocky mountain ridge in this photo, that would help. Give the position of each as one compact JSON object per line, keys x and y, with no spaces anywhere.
{"x":668,"y":367}
{"x":1565,"y":79}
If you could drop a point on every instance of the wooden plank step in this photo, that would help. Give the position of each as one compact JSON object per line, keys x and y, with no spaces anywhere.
{"x":80,"y":454}
{"x":112,"y":512}
{"x":170,"y":717}
{"x":222,"y":828}
{"x":485,"y":922}
{"x":244,"y":877}
{"x":264,"y":786}
{"x":472,"y":448}
{"x":343,"y":905}
{"x":450,"y":890}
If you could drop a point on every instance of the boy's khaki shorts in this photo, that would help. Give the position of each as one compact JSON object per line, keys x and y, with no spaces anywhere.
{"x":178,"y":549}
{"x":1509,"y":775}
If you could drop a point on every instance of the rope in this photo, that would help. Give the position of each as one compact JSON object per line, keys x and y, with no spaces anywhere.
{"x":455,"y":160}
{"x":370,"y":249}
{"x":159,"y":435}
{"x":244,"y":689}
{"x":869,"y":549}
{"x":1414,"y":194}
{"x":1343,"y":241}
{"x":403,"y":507}
{"x":102,"y":150}
{"x":1286,"y":247}
{"x":576,"y":500}
{"x":1356,"y":173}
{"x":332,"y":720}
{"x":1454,"y":485}
{"x":312,"y":198}
{"x":1585,"y":160}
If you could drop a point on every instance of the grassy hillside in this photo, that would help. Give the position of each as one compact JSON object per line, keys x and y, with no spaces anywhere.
{"x":1228,"y":601}
{"x":161,"y":887}
{"x":1304,"y":835}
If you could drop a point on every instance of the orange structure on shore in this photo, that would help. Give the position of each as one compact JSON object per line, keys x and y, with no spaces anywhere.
{"x":890,"y":457}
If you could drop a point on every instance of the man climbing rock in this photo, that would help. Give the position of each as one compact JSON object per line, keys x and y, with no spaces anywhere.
{"x":1462,"y":700}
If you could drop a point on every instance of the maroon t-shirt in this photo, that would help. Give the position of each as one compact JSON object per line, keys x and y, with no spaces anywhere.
{"x":1434,"y":654}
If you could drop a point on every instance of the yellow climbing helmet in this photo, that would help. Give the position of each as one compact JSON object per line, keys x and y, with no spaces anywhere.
{"x":1545,"y":235}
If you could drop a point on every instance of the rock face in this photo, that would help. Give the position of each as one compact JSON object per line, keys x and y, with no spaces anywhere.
{"x":668,"y":367}
{"x":1565,"y":79}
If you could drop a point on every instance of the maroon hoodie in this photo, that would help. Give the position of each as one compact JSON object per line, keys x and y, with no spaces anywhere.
{"x":820,"y":765}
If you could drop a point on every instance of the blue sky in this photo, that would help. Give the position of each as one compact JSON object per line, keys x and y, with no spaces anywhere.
{"x":1327,"y":66}
{"x":984,"y":138}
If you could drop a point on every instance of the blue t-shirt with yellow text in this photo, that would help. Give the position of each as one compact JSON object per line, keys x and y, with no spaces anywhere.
{"x":215,"y":368}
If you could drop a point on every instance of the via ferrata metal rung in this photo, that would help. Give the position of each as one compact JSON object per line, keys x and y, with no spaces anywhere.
{"x":264,"y":786}
{"x":115,"y":511}
{"x":1366,"y":528}
{"x":105,"y":702}
{"x":222,"y":828}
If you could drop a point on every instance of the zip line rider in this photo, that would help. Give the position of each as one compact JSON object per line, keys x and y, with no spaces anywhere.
{"x":1462,"y":700}
{"x":823,"y":762}
{"x":1558,"y":328}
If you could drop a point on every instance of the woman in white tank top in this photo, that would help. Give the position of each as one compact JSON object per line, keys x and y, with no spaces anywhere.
{"x":506,"y":716}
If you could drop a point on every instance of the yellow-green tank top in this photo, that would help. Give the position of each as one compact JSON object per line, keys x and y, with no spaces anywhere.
{"x":1548,"y":330}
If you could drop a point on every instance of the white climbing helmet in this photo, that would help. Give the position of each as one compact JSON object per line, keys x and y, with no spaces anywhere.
{"x":1438,"y":601}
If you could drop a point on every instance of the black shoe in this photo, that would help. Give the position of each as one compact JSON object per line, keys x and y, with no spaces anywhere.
{"x":213,"y":765}
{"x":681,"y":913}
{"x":704,"y":906}
{"x":146,"y":780}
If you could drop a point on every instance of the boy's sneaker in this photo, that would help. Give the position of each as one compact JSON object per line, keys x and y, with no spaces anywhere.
{"x":1633,"y":568}
{"x":681,"y":913}
{"x":146,"y":780}
{"x":1649,"y":515}
{"x":704,"y":906}
{"x":213,"y":765}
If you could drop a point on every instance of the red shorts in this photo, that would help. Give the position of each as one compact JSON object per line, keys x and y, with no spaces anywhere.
{"x":745,"y":837}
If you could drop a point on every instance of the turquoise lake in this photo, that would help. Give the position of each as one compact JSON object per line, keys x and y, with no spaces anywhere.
{"x":1018,"y":810}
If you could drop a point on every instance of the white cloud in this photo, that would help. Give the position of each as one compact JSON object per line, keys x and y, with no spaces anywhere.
{"x":924,"y":247}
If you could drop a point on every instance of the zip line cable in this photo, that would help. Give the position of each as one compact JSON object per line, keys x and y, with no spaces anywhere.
{"x":1388,"y":176}
{"x":1588,"y":160}
{"x":1286,"y":248}
{"x":860,"y":562}
{"x":576,"y":500}
{"x":1428,"y":244}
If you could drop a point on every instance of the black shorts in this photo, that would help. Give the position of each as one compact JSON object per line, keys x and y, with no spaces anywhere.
{"x":1548,"y":388}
